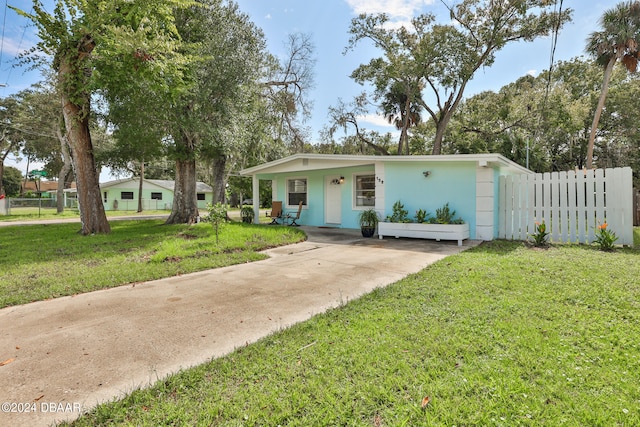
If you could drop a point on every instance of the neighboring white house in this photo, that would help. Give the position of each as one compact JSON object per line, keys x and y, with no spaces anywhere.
{"x":157,"y":194}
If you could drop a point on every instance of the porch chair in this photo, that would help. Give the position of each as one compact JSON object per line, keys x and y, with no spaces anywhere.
{"x":296,"y":217}
{"x":276,"y":212}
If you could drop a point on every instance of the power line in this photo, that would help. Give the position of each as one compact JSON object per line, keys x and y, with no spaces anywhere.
{"x":4,"y":25}
{"x":554,"y":43}
{"x":24,"y":31}
{"x":28,"y":132}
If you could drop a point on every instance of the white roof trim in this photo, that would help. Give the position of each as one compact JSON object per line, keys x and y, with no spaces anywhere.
{"x":296,"y":162}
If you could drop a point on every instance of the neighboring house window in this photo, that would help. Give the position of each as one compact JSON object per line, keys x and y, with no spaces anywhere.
{"x":365,"y":190}
{"x":104,"y":196}
{"x":126,"y":195}
{"x":200,"y":196}
{"x":296,"y":191}
{"x":156,"y":196}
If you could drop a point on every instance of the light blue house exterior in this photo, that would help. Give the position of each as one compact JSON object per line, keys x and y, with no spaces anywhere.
{"x":335,"y":188}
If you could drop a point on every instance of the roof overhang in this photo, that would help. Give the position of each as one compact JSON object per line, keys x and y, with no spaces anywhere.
{"x":308,"y":162}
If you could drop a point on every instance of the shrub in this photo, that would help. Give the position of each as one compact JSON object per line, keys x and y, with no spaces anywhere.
{"x":445,"y":215}
{"x":421,"y":216}
{"x":246,"y":213}
{"x":605,"y":238}
{"x":217,"y":217}
{"x":399,"y":213}
{"x":368,"y":218}
{"x":540,"y":235}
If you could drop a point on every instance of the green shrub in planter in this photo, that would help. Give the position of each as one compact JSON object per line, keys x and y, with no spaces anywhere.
{"x":246,"y":213}
{"x":400,"y":214}
{"x":368,"y":219}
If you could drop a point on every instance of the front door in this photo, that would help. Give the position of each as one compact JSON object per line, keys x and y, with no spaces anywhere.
{"x":332,"y":200}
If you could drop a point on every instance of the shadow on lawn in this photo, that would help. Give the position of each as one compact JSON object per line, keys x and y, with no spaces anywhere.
{"x":499,"y":247}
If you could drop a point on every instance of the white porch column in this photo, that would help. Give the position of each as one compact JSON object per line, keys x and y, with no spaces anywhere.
{"x":379,"y":172}
{"x":255,"y":192}
{"x":485,"y":199}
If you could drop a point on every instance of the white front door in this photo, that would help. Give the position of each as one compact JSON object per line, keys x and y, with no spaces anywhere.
{"x":332,"y":200}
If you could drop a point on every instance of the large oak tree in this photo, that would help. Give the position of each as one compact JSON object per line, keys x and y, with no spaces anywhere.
{"x":434,"y":62}
{"x":230,"y":54}
{"x":92,"y":44}
{"x":239,"y":100}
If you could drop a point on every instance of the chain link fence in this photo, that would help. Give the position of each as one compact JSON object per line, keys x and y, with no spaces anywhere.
{"x":28,"y":206}
{"x":34,"y":206}
{"x":132,"y":205}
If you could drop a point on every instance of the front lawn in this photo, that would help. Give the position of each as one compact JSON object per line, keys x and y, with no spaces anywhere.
{"x":35,"y":214}
{"x":46,"y":261}
{"x":500,"y":335}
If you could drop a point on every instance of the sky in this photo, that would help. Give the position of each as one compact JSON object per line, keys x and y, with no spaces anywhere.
{"x":327,"y":22}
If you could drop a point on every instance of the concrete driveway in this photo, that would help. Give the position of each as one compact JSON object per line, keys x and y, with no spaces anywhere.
{"x":61,"y":357}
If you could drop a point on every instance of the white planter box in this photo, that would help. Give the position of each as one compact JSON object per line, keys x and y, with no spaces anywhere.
{"x":438,"y":232}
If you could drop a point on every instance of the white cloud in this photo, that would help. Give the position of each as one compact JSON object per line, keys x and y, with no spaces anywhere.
{"x":532,"y":73}
{"x":395,"y":25}
{"x":402,"y":10}
{"x":375,"y":119}
{"x":11,"y":47}
{"x":268,"y":16}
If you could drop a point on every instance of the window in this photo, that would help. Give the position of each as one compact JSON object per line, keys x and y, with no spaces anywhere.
{"x":104,"y":196}
{"x":126,"y":195}
{"x":156,"y":196}
{"x":200,"y":196}
{"x":296,"y":191}
{"x":365,"y":190}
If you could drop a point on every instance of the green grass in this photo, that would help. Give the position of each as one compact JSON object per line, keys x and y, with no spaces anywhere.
{"x":500,"y":335}
{"x":46,"y":261}
{"x":32,"y":214}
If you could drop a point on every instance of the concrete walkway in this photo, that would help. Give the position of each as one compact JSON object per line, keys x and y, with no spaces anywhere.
{"x":64,"y":356}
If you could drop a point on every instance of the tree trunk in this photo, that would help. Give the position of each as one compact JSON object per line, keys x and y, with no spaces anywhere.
{"x":219,"y":165}
{"x":2,"y":159}
{"x":185,"y":203}
{"x":140,"y":186}
{"x":403,"y":146}
{"x":441,"y":127}
{"x":62,"y":176}
{"x":1,"y":176}
{"x":26,"y":178}
{"x":598,"y":112}
{"x":76,"y":119}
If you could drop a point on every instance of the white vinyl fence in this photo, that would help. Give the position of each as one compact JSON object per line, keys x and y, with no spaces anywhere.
{"x":572,"y":204}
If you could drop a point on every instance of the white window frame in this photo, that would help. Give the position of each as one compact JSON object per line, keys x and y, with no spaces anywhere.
{"x":286,"y":191}
{"x":355,"y":190}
